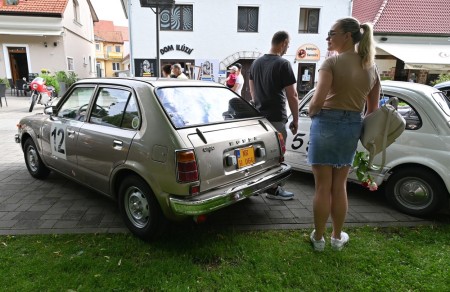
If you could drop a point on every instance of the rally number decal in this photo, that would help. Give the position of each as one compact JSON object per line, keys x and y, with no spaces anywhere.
{"x":58,"y":140}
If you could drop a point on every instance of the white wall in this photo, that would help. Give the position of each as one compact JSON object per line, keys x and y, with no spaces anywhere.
{"x":215,"y":33}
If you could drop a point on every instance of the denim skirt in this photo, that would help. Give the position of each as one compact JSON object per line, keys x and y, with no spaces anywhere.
{"x":334,"y":136}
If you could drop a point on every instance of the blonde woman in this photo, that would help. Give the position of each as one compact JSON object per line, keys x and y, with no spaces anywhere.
{"x":347,"y":81}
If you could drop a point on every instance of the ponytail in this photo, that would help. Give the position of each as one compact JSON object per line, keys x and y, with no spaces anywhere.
{"x":366,"y":46}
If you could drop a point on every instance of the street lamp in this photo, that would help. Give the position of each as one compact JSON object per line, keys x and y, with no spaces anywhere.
{"x":157,"y":4}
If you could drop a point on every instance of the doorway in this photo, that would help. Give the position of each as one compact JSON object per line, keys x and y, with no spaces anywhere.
{"x":305,"y":78}
{"x":18,"y":62}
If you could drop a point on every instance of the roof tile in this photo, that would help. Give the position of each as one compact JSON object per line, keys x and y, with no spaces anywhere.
{"x":36,"y":6}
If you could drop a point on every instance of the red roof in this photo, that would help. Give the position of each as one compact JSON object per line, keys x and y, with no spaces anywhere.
{"x":405,"y":16}
{"x":35,"y":7}
{"x":107,"y":31}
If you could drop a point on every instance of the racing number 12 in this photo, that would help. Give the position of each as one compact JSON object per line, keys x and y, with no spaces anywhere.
{"x":58,"y":133}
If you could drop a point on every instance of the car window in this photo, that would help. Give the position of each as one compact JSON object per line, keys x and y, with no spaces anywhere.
{"x":188,"y":106}
{"x":442,"y":101}
{"x":75,"y":106}
{"x":411,"y":116}
{"x":116,"y":108}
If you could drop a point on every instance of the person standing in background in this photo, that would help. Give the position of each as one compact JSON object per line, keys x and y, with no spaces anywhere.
{"x":272,"y":81}
{"x":239,"y":83}
{"x":347,"y":82}
{"x":167,"y":71}
{"x":176,"y":69}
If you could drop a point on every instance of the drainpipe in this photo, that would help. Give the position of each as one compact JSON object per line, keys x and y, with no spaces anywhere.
{"x":131,"y":39}
{"x":350,"y":7}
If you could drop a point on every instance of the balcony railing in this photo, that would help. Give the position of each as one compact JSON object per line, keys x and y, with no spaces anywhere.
{"x":115,"y":55}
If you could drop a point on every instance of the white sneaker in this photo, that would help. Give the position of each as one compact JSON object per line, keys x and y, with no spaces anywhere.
{"x":338,"y":244}
{"x":318,"y":245}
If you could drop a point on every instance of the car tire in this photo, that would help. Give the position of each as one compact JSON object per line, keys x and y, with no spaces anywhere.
{"x":140,"y":210}
{"x":33,"y":101}
{"x":416,"y":192}
{"x":33,"y":161}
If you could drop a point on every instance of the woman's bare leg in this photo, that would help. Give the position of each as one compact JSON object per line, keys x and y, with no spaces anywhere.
{"x":322,"y":198}
{"x":339,"y":203}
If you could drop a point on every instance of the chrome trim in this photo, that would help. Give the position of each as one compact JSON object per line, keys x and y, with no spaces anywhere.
{"x":217,"y":199}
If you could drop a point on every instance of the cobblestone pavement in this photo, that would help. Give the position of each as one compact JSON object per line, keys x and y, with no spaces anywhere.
{"x":58,"y":205}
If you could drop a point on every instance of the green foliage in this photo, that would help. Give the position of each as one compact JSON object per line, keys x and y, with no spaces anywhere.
{"x":361,"y":165}
{"x":442,"y":78}
{"x":68,"y":79}
{"x":4,"y":81}
{"x":204,"y":258}
{"x":50,"y":81}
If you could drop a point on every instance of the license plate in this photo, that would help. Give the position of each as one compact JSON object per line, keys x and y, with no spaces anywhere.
{"x":245,"y":156}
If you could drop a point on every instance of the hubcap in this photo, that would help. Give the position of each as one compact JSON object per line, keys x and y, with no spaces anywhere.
{"x":414,"y":193}
{"x":137,"y":208}
{"x":33,"y":161}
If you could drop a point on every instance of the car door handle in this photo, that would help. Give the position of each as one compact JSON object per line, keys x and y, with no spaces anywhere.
{"x":70,"y":133}
{"x":117,"y":144}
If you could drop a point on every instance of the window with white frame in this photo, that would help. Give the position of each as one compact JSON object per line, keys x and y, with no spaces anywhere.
{"x":76,"y":11}
{"x":178,"y":17}
{"x":97,"y":47}
{"x":248,"y":19}
{"x":117,"y":49}
{"x":116,"y":66}
{"x":309,"y":20}
{"x":70,"y":66}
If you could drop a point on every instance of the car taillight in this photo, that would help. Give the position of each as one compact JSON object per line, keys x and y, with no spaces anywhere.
{"x":282,"y":146}
{"x":186,"y":166}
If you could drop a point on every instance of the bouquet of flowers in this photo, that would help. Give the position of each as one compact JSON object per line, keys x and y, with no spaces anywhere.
{"x":361,"y":167}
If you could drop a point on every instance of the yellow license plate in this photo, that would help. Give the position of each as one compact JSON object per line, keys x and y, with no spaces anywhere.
{"x":245,"y":156}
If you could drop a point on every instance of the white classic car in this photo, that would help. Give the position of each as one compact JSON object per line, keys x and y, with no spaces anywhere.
{"x":416,"y":177}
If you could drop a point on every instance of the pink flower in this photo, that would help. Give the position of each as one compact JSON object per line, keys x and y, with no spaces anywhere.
{"x":373,"y":186}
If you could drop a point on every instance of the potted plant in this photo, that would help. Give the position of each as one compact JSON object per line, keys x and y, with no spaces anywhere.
{"x":3,"y":85}
{"x":65,"y":80}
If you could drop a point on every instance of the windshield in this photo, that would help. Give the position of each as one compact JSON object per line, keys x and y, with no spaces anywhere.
{"x":442,"y":101}
{"x":188,"y":106}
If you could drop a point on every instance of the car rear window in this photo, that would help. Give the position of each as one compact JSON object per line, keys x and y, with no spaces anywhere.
{"x":189,"y":106}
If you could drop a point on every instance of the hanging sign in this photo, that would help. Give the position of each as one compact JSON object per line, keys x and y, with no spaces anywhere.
{"x":308,"y":52}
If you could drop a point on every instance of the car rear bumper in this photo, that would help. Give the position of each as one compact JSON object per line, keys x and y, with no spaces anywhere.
{"x":220,"y":198}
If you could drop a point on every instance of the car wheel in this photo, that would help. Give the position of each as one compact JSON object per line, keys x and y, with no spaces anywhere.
{"x":416,"y":191}
{"x":140,"y":209}
{"x":33,"y":161}
{"x":33,"y":101}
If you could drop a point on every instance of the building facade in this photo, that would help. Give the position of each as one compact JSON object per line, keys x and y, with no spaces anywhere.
{"x":55,"y":35}
{"x":206,"y":37}
{"x":412,"y":37}
{"x":109,"y":49}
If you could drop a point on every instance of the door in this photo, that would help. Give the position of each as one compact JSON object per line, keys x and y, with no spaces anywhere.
{"x":18,"y":62}
{"x":105,"y":139}
{"x":305,"y":78}
{"x":60,"y":133}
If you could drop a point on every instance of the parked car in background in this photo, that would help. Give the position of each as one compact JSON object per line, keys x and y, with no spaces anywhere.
{"x":161,"y":148}
{"x":416,"y":177}
{"x":445,"y":88}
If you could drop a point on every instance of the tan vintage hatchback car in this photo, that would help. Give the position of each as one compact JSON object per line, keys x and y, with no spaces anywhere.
{"x":161,"y":148}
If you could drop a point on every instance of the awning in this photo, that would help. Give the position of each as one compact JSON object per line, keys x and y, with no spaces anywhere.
{"x":30,"y":32}
{"x":420,"y":56}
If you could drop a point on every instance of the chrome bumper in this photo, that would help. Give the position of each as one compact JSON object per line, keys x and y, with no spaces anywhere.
{"x":217,"y":199}
{"x":17,"y":138}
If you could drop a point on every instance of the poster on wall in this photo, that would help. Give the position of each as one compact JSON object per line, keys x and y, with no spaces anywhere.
{"x":308,"y":52}
{"x":207,"y":69}
{"x":145,"y":68}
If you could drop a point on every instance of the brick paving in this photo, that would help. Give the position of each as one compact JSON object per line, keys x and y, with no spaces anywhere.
{"x":58,"y":205}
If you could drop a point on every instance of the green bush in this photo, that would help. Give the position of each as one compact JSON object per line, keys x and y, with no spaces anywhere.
{"x":51,"y":81}
{"x":4,"y":81}
{"x":442,"y":78}
{"x":68,"y":79}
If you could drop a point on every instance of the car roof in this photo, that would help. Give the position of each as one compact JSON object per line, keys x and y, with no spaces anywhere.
{"x":442,"y":84}
{"x":410,"y":86}
{"x":155,"y":82}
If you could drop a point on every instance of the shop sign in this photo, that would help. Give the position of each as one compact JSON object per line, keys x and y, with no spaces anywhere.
{"x":182,"y":48}
{"x":308,"y":52}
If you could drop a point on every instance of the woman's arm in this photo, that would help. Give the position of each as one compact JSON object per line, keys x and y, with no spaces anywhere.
{"x":323,"y":87}
{"x":373,"y":98}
